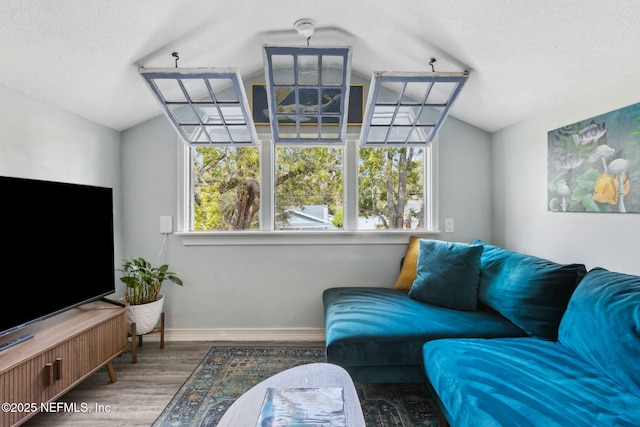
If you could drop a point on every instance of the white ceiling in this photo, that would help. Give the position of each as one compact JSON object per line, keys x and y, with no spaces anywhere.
{"x":523,"y":56}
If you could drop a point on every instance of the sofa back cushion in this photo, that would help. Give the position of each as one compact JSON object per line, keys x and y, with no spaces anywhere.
{"x":447,"y":274}
{"x":532,"y":292}
{"x":602,"y":325}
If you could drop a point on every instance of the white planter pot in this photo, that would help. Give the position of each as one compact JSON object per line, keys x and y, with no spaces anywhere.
{"x":145,"y":316}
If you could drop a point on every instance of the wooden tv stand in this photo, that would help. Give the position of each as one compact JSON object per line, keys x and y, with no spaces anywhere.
{"x":65,"y":350}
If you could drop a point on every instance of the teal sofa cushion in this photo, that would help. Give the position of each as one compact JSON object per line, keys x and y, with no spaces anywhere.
{"x":602,"y":325}
{"x":377,"y":334}
{"x":524,"y":382}
{"x":448,"y":274}
{"x":532,"y":292}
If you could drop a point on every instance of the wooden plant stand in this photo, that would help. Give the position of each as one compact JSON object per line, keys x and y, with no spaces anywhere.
{"x":138,"y":342}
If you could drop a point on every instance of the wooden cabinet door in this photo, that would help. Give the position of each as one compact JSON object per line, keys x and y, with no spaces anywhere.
{"x":67,"y":349}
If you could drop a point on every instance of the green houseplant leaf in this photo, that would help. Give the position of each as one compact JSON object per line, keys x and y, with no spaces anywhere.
{"x":143,"y":281}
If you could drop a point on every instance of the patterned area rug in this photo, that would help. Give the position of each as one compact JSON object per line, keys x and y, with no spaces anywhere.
{"x":227,"y":372}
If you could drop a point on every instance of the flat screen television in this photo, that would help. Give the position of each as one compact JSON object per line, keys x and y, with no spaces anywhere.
{"x":58,"y":249}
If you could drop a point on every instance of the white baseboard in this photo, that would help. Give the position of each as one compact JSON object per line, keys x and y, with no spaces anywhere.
{"x":241,"y":334}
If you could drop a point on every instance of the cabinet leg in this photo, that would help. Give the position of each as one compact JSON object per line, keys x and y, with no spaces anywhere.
{"x":111,"y":371}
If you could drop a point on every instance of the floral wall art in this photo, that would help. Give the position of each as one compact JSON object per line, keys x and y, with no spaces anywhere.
{"x":594,"y":164}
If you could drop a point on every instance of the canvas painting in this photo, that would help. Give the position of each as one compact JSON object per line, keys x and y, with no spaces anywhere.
{"x":594,"y":164}
{"x":260,"y":108}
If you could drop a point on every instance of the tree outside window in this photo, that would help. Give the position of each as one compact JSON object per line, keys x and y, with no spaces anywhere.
{"x":308,"y":187}
{"x":391,"y":188}
{"x":226,"y":188}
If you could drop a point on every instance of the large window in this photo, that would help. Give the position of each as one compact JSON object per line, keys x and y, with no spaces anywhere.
{"x":276,"y":188}
{"x":307,"y":174}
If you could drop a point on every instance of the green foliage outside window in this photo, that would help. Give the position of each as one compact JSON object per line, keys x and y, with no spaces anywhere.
{"x":389,"y":179}
{"x":306,"y":177}
{"x":226,"y":187}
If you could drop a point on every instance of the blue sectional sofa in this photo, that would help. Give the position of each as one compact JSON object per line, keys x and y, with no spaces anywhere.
{"x":501,"y":338}
{"x":377,"y":333}
{"x":589,"y":376}
{"x":545,"y":344}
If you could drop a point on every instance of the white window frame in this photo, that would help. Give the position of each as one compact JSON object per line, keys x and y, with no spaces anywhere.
{"x":268,"y":236}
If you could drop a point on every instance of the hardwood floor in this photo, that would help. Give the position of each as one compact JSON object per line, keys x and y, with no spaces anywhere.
{"x":140,"y":393}
{"x":142,"y":390}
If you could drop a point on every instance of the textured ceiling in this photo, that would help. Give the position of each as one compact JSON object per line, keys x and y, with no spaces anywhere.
{"x":83,"y":55}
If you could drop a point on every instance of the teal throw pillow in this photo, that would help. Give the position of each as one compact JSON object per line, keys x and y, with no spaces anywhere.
{"x":448,"y":274}
{"x":531,"y":292}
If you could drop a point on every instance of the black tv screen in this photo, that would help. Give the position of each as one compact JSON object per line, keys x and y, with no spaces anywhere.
{"x":57,"y":248}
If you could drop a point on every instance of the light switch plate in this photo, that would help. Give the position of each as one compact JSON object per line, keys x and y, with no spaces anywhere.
{"x":448,"y":225}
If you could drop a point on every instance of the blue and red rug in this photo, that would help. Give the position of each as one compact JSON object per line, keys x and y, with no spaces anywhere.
{"x":225,"y":373}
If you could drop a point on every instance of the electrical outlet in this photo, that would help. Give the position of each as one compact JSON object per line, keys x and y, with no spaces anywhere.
{"x":448,"y":225}
{"x":166,"y":224}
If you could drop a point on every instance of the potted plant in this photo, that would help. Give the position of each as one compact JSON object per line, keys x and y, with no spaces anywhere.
{"x":143,"y":282}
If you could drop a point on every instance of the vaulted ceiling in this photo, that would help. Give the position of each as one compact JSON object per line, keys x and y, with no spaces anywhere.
{"x":83,"y":55}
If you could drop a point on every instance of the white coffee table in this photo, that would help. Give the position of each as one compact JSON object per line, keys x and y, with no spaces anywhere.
{"x":245,"y":411}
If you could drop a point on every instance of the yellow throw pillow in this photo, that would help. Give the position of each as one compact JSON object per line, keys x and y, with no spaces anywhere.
{"x":410,"y":265}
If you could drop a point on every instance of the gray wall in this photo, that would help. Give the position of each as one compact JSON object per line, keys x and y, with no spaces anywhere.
{"x":521,"y":220}
{"x":279,"y":286}
{"x":40,"y":141}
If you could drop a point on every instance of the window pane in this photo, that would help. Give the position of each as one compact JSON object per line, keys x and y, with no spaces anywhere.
{"x":308,"y":70}
{"x":196,"y":134}
{"x":308,"y":101}
{"x":217,"y":134}
{"x":170,"y":90}
{"x":226,"y":188}
{"x":416,"y":91}
{"x":184,"y":114}
{"x":391,"y":188}
{"x":283,"y":69}
{"x":308,"y":188}
{"x":441,"y":93}
{"x":222,"y":92}
{"x":398,"y":134}
{"x":430,"y":115}
{"x":383,"y":115}
{"x":197,"y":90}
{"x":286,"y":101}
{"x":232,"y":115}
{"x":208,"y":114}
{"x":332,"y":69}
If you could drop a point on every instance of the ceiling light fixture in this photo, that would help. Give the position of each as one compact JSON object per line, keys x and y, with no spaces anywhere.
{"x":305,"y":27}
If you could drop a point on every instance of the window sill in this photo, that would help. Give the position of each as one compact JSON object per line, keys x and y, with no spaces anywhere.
{"x":301,"y":237}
